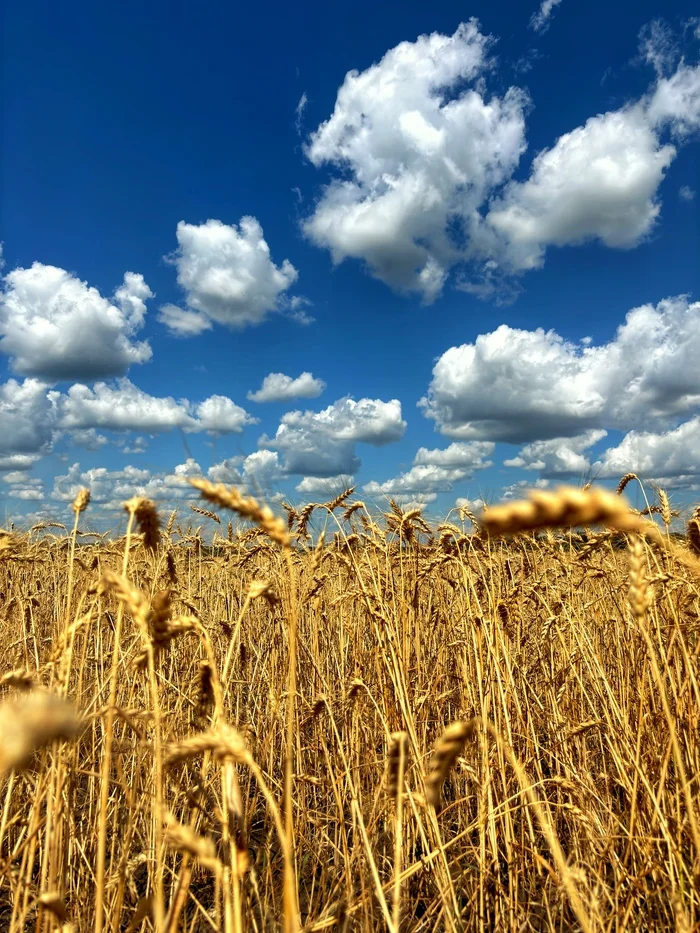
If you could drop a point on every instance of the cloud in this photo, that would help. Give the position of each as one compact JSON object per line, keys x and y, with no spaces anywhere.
{"x":227,"y":275}
{"x":227,"y":471}
{"x":560,"y":456}
{"x":418,"y":151}
{"x":424,"y":165}
{"x":27,"y":419}
{"x":323,"y":443}
{"x":671,"y":457}
{"x":21,"y":486}
{"x":686,"y":193}
{"x":675,"y":102}
{"x":18,"y":461}
{"x":658,"y":46}
{"x":262,"y":472}
{"x":103,"y":484}
{"x":468,"y":457}
{"x":276,"y":387}
{"x":539,"y":21}
{"x":521,"y":386}
{"x":474,"y":505}
{"x":137,"y":446}
{"x":57,"y":328}
{"x":183,"y":323}
{"x":518,"y":490}
{"x":89,"y":439}
{"x":600,"y":181}
{"x":327,"y":486}
{"x":124,"y":407}
{"x":597,"y":182}
{"x":436,"y":471}
{"x":299,"y":111}
{"x":219,"y":415}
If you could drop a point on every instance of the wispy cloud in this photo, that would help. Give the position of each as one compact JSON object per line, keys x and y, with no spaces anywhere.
{"x":539,"y":21}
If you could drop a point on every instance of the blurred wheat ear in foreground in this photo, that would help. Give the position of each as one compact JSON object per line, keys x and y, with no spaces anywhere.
{"x":343,"y":720}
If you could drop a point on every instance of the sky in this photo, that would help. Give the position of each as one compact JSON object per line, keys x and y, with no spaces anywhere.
{"x":444,"y":252}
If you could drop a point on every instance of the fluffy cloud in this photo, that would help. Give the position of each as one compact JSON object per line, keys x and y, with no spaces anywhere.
{"x":521,"y":386}
{"x":183,"y":323}
{"x":219,"y":415}
{"x":597,"y":182}
{"x":89,"y":439}
{"x":539,"y":21}
{"x":276,"y":387}
{"x":601,"y":180}
{"x":468,"y":457}
{"x":21,"y":486}
{"x":323,"y":443}
{"x":103,"y":484}
{"x":474,"y":505}
{"x":686,"y":193}
{"x":58,"y":328}
{"x":671,"y":457}
{"x":33,"y":417}
{"x":227,"y":275}
{"x":560,"y":456}
{"x":18,"y":461}
{"x":419,"y":153}
{"x":259,"y":473}
{"x":328,"y":486}
{"x":124,"y":407}
{"x":27,"y":419}
{"x":436,"y":471}
{"x":425,"y":166}
{"x":262,"y":472}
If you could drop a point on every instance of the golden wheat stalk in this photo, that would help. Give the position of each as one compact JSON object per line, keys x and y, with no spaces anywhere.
{"x":246,"y":506}
{"x":146,"y":515}
{"x":566,"y":507}
{"x":32,"y":722}
{"x":445,"y":753}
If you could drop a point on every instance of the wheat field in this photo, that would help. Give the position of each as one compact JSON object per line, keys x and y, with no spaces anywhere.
{"x":352,"y":721}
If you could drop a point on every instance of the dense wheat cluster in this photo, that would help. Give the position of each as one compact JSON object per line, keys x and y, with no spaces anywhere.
{"x":352,"y":721}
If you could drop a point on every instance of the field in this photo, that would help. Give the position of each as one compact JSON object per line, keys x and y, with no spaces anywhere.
{"x":389,"y":726}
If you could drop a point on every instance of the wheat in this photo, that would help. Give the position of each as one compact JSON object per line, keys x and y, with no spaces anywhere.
{"x":562,"y":508}
{"x":81,"y":501}
{"x":144,"y":511}
{"x":236,"y":784}
{"x":395,"y":758}
{"x":625,"y":481}
{"x":447,"y":748}
{"x":31,"y":722}
{"x":246,"y":506}
{"x":207,"y":514}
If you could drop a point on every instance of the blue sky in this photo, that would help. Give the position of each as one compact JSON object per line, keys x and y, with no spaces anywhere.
{"x":441,"y":215}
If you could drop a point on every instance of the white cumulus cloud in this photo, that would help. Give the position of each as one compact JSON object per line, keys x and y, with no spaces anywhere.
{"x":671,"y":457}
{"x":521,"y":386}
{"x":183,"y":323}
{"x":277,"y":387}
{"x":58,"y":328}
{"x":27,"y":419}
{"x":124,"y":407}
{"x":435,"y":471}
{"x":219,"y":415}
{"x":323,"y":443}
{"x":424,"y":161}
{"x":228,"y":276}
{"x":327,"y":486}
{"x":559,"y":456}
{"x":419,"y":151}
